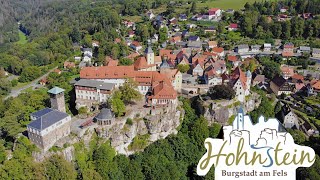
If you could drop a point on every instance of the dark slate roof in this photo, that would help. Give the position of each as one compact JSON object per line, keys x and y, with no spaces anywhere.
{"x":94,"y":83}
{"x":279,"y":80}
{"x":105,"y":114}
{"x":46,"y":118}
{"x":193,"y":38}
{"x":41,"y":112}
{"x":164,"y":64}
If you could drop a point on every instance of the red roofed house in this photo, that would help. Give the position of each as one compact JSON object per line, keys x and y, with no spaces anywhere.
{"x":287,"y":72}
{"x":131,"y":34}
{"x":113,"y":63}
{"x":297,"y":78}
{"x":219,"y":51}
{"x":68,"y":65}
{"x":58,"y":71}
{"x":214,"y":13}
{"x":316,"y":87}
{"x":234,"y":60}
{"x":43,"y":81}
{"x":288,"y":50}
{"x":233,"y":27}
{"x":240,"y":82}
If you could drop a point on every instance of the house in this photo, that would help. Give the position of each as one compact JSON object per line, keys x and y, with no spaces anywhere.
{"x":287,"y":72}
{"x":90,"y":92}
{"x":219,"y":51}
{"x":146,"y":62}
{"x":288,"y":50}
{"x":233,"y":27}
{"x":288,"y":118}
{"x":214,"y":13}
{"x":267,"y":47}
{"x":191,"y":26}
{"x":77,"y":58}
{"x":174,"y":75}
{"x":197,"y":67}
{"x":234,"y":60}
{"x":135,"y":45}
{"x":87,"y":52}
{"x":131,"y":34}
{"x":240,"y":83}
{"x":43,"y":81}
{"x":259,"y":78}
{"x":175,"y":39}
{"x":210,"y":29}
{"x":304,"y":49}
{"x":255,"y":48}
{"x":279,"y":86}
{"x":58,"y":71}
{"x":297,"y":78}
{"x":95,"y":43}
{"x":212,"y":44}
{"x":243,"y":48}
{"x":283,"y":9}
{"x":315,"y":52}
{"x":68,"y":65}
{"x":193,"y":38}
{"x":307,"y":16}
{"x":185,"y":33}
{"x":150,"y":15}
{"x":195,"y":44}
{"x":176,"y":28}
{"x":49,"y":125}
{"x":183,"y":17}
{"x":316,"y":86}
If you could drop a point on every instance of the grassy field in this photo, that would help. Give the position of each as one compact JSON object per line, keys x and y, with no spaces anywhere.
{"x":22,"y":38}
{"x":226,"y":4}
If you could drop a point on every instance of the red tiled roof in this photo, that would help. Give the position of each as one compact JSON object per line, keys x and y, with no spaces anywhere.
{"x":133,"y":55}
{"x":67,"y":64}
{"x":109,"y":72}
{"x":163,"y":52}
{"x":232,"y":58}
{"x":316,"y":85}
{"x":217,"y":49}
{"x":287,"y":70}
{"x":233,"y":25}
{"x":164,"y":91}
{"x":287,"y":54}
{"x":238,"y":74}
{"x":113,"y":63}
{"x":298,"y":77}
{"x":136,"y":43}
{"x":141,"y":63}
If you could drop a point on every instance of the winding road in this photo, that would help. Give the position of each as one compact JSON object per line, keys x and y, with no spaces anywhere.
{"x":33,"y":84}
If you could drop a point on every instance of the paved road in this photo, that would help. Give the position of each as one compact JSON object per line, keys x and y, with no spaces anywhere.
{"x":33,"y":84}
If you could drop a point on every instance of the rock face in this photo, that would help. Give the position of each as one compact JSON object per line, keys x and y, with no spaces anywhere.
{"x":67,"y":153}
{"x":221,"y":111}
{"x":158,"y":123}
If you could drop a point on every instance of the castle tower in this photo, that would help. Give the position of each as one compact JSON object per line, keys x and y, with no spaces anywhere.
{"x":150,"y":56}
{"x":57,"y":99}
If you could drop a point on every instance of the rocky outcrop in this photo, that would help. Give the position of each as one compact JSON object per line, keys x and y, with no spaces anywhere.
{"x":221,"y":110}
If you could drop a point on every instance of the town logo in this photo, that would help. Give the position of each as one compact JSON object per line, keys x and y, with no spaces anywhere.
{"x":262,"y":151}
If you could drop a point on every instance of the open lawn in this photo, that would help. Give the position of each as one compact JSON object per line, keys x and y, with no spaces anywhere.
{"x":226,"y":4}
{"x":22,"y":38}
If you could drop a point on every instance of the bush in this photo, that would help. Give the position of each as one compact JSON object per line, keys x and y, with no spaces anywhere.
{"x":83,"y":110}
{"x":129,"y":121}
{"x":221,"y":92}
{"x":14,"y":82}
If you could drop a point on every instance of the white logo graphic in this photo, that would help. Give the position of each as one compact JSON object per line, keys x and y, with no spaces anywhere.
{"x":262,"y":151}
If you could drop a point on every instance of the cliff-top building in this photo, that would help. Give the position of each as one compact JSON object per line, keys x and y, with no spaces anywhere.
{"x":50,"y":124}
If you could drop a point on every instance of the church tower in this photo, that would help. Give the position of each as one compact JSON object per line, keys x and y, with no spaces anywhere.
{"x":150,"y":57}
{"x":248,"y":83}
{"x":57,"y":99}
{"x":240,"y":119}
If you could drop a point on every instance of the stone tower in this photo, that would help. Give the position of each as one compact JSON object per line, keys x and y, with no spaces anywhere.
{"x":57,"y":99}
{"x":150,"y":57}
